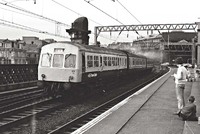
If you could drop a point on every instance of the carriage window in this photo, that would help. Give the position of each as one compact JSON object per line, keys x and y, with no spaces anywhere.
{"x":96,"y":61}
{"x":105,"y":61}
{"x":58,"y":60}
{"x":144,"y":62}
{"x":137,"y":62}
{"x":113,"y":61}
{"x":133,"y":62}
{"x":101,"y":61}
{"x":117,"y":59}
{"x":140,"y":62}
{"x":89,"y":61}
{"x":70,"y":61}
{"x":122,"y":61}
{"x":109,"y":61}
{"x":130,"y":61}
{"x":46,"y":60}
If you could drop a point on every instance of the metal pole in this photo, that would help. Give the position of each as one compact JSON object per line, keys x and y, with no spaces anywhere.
{"x":193,"y":52}
{"x":198,"y":44}
{"x":95,"y":35}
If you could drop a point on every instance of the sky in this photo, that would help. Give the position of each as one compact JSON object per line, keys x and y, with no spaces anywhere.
{"x":98,"y":12}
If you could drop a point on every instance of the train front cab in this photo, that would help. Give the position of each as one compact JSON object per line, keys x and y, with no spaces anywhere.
{"x":59,"y":66}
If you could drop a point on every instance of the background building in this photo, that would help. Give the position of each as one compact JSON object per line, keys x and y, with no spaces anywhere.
{"x":12,"y":52}
{"x":25,"y":51}
{"x":166,"y":47}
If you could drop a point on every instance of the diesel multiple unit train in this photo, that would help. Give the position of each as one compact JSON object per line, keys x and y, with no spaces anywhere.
{"x":64,"y":65}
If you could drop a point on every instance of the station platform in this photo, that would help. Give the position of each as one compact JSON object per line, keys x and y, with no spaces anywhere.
{"x":149,"y":111}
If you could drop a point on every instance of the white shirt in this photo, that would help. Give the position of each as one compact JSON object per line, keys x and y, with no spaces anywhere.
{"x":181,"y":75}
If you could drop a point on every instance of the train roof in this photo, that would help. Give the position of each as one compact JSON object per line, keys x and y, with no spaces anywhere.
{"x":93,"y":48}
{"x":96,"y":49}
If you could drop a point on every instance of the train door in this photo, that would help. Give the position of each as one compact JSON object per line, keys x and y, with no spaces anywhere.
{"x":101,"y":63}
{"x":146,"y":62}
{"x":83,"y":62}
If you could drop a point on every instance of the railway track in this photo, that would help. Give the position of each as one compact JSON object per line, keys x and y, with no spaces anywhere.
{"x":20,"y":105}
{"x":14,"y":117}
{"x":80,"y":121}
{"x":11,"y":100}
{"x":17,"y":92}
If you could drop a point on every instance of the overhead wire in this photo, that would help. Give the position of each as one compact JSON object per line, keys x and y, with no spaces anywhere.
{"x":129,"y":12}
{"x":103,"y":12}
{"x":73,"y":11}
{"x":132,"y":16}
{"x":89,"y":2}
{"x":23,"y":27}
{"x":16,"y":12}
{"x":136,"y":19}
{"x":113,"y":17}
{"x":29,"y":12}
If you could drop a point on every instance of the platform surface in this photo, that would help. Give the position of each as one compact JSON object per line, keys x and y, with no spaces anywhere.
{"x":151,"y":112}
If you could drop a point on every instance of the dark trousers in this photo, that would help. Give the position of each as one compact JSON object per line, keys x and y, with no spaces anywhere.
{"x":185,"y":118}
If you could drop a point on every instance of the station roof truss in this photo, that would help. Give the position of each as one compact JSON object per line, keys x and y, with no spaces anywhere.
{"x":145,"y":27}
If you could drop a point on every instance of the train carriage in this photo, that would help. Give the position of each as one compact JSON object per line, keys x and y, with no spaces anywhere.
{"x":64,"y":64}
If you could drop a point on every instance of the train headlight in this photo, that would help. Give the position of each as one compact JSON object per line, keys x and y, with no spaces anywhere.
{"x":43,"y":76}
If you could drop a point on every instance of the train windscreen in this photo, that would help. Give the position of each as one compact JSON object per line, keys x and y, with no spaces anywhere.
{"x":70,"y":61}
{"x":46,"y":60}
{"x":58,"y":60}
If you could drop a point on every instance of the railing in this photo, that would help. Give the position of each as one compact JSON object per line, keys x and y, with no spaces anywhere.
{"x":17,"y":73}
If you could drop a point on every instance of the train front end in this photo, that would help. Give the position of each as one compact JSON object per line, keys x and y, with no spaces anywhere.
{"x":59,"y":67}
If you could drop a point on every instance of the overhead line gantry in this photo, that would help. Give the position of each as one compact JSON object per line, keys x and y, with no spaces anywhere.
{"x":143,"y":27}
{"x":152,"y":27}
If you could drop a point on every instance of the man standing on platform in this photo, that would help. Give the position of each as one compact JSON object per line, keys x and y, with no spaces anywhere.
{"x":180,"y":80}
